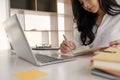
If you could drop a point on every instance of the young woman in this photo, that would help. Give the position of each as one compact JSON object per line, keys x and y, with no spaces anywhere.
{"x":98,"y":23}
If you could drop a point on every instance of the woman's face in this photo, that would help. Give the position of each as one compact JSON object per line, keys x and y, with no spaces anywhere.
{"x":90,"y":5}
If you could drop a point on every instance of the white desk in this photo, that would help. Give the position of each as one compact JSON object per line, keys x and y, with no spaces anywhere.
{"x":74,"y":70}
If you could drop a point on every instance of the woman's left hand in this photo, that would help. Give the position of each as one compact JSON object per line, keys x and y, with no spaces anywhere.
{"x":115,"y":43}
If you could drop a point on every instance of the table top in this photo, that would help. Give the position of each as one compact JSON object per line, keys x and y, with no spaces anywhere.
{"x":78,"y":69}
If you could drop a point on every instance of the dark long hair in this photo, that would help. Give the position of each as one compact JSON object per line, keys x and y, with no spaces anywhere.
{"x":86,"y":20}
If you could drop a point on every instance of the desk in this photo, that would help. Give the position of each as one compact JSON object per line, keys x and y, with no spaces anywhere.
{"x":74,"y":70}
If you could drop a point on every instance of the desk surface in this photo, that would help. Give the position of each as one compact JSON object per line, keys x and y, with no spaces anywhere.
{"x":78,"y":69}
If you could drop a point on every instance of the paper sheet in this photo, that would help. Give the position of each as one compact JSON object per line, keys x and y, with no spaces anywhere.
{"x":30,"y":74}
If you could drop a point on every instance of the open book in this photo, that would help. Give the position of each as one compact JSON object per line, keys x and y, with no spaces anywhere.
{"x":82,"y":51}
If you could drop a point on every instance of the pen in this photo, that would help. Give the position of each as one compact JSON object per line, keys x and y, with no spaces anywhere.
{"x":64,"y":37}
{"x":109,"y":51}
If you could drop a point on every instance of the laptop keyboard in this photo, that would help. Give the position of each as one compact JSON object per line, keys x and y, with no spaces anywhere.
{"x":45,"y":59}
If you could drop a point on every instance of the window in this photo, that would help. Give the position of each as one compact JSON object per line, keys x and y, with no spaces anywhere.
{"x":43,"y":27}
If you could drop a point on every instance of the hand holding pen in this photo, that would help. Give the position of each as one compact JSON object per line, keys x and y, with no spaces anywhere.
{"x":66,"y":46}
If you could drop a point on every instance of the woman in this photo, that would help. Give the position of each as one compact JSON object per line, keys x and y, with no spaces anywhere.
{"x":97,"y":24}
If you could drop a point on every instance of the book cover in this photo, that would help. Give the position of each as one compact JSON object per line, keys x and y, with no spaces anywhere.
{"x":103,"y":74}
{"x":105,"y":56}
{"x":110,"y":71}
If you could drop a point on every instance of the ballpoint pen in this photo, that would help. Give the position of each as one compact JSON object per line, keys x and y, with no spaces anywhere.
{"x":64,"y":37}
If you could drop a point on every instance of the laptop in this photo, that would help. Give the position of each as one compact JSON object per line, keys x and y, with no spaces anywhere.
{"x":20,"y":44}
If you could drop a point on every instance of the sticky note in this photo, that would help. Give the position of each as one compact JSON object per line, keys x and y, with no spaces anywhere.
{"x":30,"y":74}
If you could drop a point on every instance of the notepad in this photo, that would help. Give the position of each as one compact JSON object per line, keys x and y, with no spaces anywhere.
{"x":30,"y":74}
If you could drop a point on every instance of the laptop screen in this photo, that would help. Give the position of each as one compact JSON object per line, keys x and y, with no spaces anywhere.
{"x":17,"y":38}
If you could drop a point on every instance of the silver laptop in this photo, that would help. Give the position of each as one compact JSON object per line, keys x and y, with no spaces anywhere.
{"x":20,"y":44}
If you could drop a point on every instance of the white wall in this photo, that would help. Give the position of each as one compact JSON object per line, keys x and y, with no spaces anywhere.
{"x":4,"y":13}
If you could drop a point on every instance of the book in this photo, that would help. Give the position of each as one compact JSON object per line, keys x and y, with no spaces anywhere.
{"x":103,"y":74}
{"x":112,"y":72}
{"x":82,"y":51}
{"x":106,"y":61}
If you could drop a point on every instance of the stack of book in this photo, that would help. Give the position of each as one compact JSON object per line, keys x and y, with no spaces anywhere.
{"x":106,"y":64}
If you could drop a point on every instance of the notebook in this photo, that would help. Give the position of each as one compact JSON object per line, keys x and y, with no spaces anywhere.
{"x":20,"y":44}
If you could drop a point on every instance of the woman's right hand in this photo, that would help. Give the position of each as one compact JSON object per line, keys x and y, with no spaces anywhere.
{"x":67,"y":46}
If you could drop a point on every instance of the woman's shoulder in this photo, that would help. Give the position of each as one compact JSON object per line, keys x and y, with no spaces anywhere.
{"x":118,"y":15}
{"x":115,"y":17}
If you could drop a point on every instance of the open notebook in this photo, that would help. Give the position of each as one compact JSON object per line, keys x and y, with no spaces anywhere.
{"x":82,"y":51}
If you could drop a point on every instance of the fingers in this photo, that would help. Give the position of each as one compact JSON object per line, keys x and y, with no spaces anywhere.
{"x":66,"y":46}
{"x":116,"y":46}
{"x":115,"y":43}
